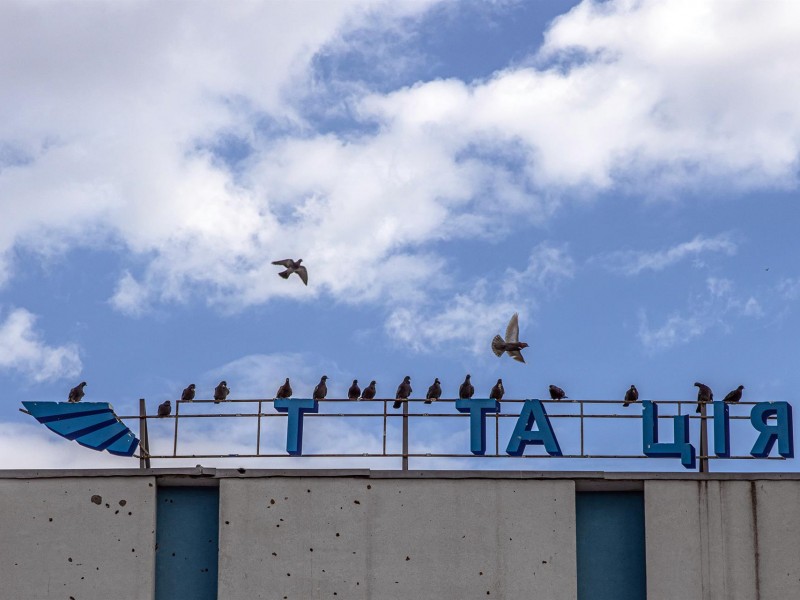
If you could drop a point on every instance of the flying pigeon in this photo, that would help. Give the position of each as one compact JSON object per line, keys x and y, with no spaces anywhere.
{"x":188,"y":393}
{"x":76,"y":393}
{"x":322,"y":389}
{"x":498,"y":391}
{"x":631,"y":396}
{"x":164,"y":409}
{"x":511,"y":344}
{"x":403,"y":392}
{"x":369,"y":391}
{"x":704,"y":394}
{"x":735,"y":395}
{"x":556,"y":393}
{"x":285,"y":391}
{"x":292,"y":266}
{"x":354,"y":392}
{"x":434,"y":392}
{"x":465,"y":391}
{"x":221,"y":392}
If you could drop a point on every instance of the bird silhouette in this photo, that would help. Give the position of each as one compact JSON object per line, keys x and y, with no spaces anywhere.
{"x":322,"y":389}
{"x":556,"y":393}
{"x":511,"y":344}
{"x":403,"y":392}
{"x":704,"y":394}
{"x":76,"y":393}
{"x":434,"y":392}
{"x":632,"y":395}
{"x":165,"y":408}
{"x":188,"y":393}
{"x":285,"y":391}
{"x":292,"y":266}
{"x":354,"y":392}
{"x":735,"y":395}
{"x":498,"y":391}
{"x":369,"y":391}
{"x":221,"y":392}
{"x":465,"y":390}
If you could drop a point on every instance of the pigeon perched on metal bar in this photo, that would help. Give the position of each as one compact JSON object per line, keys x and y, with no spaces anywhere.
{"x":465,"y":390}
{"x":403,"y":392}
{"x":735,"y":395}
{"x":221,"y":392}
{"x":434,"y":392}
{"x":322,"y":389}
{"x":165,"y":408}
{"x":498,"y":391}
{"x":556,"y":393}
{"x":704,"y":394}
{"x":188,"y":393}
{"x":76,"y":393}
{"x":511,"y":344}
{"x":631,"y":396}
{"x":369,"y":391}
{"x":292,"y":266}
{"x":354,"y":392}
{"x":285,"y":391}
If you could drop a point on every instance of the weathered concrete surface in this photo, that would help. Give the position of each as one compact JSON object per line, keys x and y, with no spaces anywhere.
{"x":722,"y":540}
{"x":56,"y":542}
{"x":304,"y":538}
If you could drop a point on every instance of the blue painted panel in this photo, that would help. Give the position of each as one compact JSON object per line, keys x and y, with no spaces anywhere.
{"x":611,"y":550}
{"x":187,"y":543}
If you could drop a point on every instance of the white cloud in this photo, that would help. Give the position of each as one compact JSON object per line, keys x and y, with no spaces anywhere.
{"x":22,"y":349}
{"x":705,"y":311}
{"x":110,"y":109}
{"x":635,"y":262}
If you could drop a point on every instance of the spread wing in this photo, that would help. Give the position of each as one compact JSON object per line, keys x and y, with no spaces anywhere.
{"x":286,"y":262}
{"x":516,"y":355}
{"x":512,"y":331}
{"x":301,"y":270}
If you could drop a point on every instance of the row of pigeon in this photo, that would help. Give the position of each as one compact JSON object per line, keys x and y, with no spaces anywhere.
{"x":465,"y":392}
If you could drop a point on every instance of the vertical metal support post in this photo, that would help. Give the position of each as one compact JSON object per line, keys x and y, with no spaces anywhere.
{"x":175,"y":438}
{"x":703,"y":438}
{"x":384,"y":427}
{"x":144,"y":438}
{"x":258,"y":435}
{"x":405,"y":435}
{"x":581,"y":404}
{"x":497,"y":433}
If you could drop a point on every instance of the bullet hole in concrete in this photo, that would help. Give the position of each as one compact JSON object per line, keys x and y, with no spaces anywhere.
{"x":116,"y":512}
{"x":353,"y":552}
{"x":480,"y":573}
{"x":286,"y":497}
{"x":272,"y":500}
{"x":487,"y":593}
{"x":227,"y":522}
{"x":544,"y":562}
{"x":123,"y":502}
{"x":156,"y":545}
{"x":509,"y":539}
{"x":150,"y":485}
{"x":337,"y":534}
{"x":108,"y":505}
{"x":358,"y":583}
{"x":369,"y":487}
{"x":356,"y":502}
{"x":133,"y":549}
{"x":129,"y":513}
{"x":241,"y":470}
{"x":51,"y":519}
{"x":274,"y":554}
{"x":408,"y":558}
{"x":72,"y":598}
{"x":278,"y":525}
{"x":97,"y":499}
{"x":69,"y":559}
{"x":335,"y":594}
{"x":288,"y":574}
{"x":310,"y":549}
{"x":308,"y":491}
{"x":281,"y":520}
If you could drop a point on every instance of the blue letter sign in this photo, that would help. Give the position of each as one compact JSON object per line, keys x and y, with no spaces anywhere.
{"x":477,"y":409}
{"x":781,"y":431}
{"x":678,"y":448}
{"x":722,"y":430}
{"x":533,"y":411}
{"x":296,"y":407}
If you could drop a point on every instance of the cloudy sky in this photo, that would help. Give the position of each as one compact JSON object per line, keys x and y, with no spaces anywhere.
{"x":623,"y":174}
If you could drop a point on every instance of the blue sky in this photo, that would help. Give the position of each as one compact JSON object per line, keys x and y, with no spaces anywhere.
{"x":622,"y":174}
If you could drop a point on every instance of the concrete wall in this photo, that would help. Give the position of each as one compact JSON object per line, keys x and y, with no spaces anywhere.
{"x":722,"y":540}
{"x":320,"y":537}
{"x":56,"y":542}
